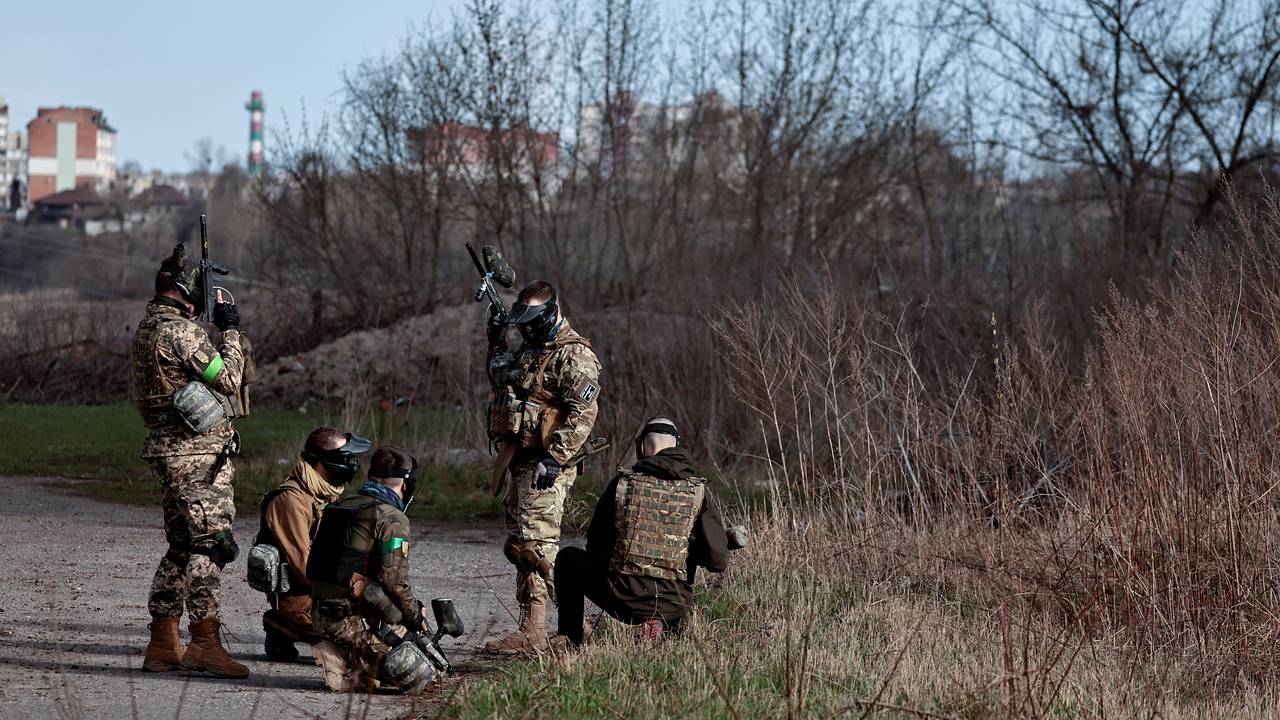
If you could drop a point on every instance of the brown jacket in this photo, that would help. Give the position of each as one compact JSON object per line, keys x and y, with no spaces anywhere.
{"x":290,"y":518}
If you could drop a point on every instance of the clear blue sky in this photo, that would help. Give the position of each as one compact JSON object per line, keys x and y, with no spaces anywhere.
{"x":170,"y":73}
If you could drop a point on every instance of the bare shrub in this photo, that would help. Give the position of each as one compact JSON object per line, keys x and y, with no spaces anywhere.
{"x":1130,"y":500}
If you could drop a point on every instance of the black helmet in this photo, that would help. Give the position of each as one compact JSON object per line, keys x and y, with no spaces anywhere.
{"x":536,"y":313}
{"x":341,"y":463}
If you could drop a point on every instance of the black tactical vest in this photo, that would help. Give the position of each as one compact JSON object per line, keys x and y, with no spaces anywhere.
{"x":342,"y":546}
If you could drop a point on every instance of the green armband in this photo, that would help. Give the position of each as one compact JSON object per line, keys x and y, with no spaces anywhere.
{"x":211,"y":372}
{"x":392,"y":545}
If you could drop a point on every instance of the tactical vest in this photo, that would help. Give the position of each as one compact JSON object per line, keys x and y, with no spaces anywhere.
{"x":343,"y":543}
{"x":655,"y":520}
{"x":152,"y":387}
{"x":265,"y":535}
{"x":528,"y":412}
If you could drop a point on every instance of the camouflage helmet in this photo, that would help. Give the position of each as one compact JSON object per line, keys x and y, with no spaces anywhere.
{"x":184,"y":274}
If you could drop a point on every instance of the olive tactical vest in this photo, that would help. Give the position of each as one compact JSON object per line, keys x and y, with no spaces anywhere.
{"x":342,"y":546}
{"x":655,"y":521}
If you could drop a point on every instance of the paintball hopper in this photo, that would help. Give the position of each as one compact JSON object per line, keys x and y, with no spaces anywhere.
{"x":738,"y":537}
{"x":448,"y":622}
{"x":498,"y":267}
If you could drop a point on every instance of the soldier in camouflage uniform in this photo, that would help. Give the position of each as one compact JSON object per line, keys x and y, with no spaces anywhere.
{"x":654,"y":526}
{"x":363,"y":540}
{"x":544,"y":408}
{"x":194,"y":470}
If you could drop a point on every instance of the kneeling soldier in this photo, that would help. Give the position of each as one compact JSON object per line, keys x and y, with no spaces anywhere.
{"x":290,"y":518}
{"x":653,"y":526}
{"x":364,"y":539}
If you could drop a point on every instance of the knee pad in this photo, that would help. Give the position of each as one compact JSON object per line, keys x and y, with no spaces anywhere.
{"x":526,"y":556}
{"x":222,"y":549}
{"x":178,"y":555}
{"x":511,"y":549}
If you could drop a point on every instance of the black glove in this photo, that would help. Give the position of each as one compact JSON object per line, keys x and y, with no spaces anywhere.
{"x":545,"y":473}
{"x":496,"y":329}
{"x":226,"y":316}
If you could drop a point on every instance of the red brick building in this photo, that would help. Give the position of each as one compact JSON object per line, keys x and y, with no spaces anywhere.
{"x":69,"y":148}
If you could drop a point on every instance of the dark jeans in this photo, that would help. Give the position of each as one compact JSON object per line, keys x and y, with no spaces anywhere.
{"x":575,"y":581}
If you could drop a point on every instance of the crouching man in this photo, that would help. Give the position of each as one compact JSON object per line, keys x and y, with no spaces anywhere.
{"x":291,"y":513}
{"x":363,"y":540}
{"x":653,"y":526}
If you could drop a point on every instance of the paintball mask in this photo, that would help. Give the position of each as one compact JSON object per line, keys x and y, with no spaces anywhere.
{"x":409,"y":476}
{"x":537,"y":323}
{"x":343,"y":462}
{"x":185,"y":276}
{"x":655,"y":425}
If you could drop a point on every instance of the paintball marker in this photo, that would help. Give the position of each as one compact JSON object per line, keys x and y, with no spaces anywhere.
{"x":212,"y":293}
{"x":494,"y":268}
{"x":415,"y":659}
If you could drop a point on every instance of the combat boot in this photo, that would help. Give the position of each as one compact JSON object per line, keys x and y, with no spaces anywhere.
{"x":530,"y":637}
{"x":278,"y":644}
{"x":337,"y":676}
{"x":164,"y":652}
{"x":206,"y":652}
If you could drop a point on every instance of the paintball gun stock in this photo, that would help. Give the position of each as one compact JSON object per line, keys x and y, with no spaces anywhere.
{"x":415,"y":659}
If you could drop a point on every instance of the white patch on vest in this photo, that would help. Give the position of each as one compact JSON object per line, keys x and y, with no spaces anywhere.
{"x":588,"y":393}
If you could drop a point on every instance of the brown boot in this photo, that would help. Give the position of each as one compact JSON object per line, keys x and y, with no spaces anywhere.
{"x":530,"y":637}
{"x":164,"y":652}
{"x":206,"y":652}
{"x":337,"y":676}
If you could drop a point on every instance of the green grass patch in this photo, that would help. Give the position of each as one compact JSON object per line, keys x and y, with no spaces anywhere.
{"x":102,"y":445}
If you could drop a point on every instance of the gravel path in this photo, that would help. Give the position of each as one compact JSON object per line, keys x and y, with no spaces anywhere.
{"x":73,"y":617}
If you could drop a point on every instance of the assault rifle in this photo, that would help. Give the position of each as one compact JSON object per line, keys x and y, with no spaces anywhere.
{"x":208,"y":268}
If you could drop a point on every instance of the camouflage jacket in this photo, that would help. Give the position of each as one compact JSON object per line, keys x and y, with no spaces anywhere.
{"x":570,"y":381}
{"x":170,"y":350}
{"x":362,"y":538}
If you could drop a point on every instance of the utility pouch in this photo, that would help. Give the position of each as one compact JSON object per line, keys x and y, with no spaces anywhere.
{"x":530,"y":422}
{"x":268,"y":572}
{"x":200,"y":407}
{"x":505,"y":414}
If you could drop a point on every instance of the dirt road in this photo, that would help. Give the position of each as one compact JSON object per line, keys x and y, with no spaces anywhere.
{"x":73,"y":617}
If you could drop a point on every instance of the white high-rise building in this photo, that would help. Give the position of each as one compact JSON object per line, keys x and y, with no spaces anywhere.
{"x":13,"y":161}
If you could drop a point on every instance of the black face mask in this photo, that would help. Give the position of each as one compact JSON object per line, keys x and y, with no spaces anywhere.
{"x":659,"y":428}
{"x":410,"y":478}
{"x":537,"y":323}
{"x":341,"y":463}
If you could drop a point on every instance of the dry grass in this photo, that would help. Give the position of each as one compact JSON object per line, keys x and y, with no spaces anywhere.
{"x":1019,"y":540}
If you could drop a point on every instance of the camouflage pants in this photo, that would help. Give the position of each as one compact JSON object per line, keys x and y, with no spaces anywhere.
{"x":533,"y":519}
{"x":194,"y":510}
{"x":360,"y":648}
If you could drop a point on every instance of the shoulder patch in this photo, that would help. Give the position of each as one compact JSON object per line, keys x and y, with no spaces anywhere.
{"x":588,"y":391}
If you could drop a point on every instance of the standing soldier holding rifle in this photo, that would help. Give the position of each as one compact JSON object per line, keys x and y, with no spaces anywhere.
{"x":543,"y":410}
{"x":188,"y":391}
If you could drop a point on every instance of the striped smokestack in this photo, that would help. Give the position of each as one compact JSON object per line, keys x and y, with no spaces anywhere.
{"x":255,"y":108}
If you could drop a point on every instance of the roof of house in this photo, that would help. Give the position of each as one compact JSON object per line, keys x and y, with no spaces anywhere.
{"x":161,"y":195}
{"x":75,"y":196}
